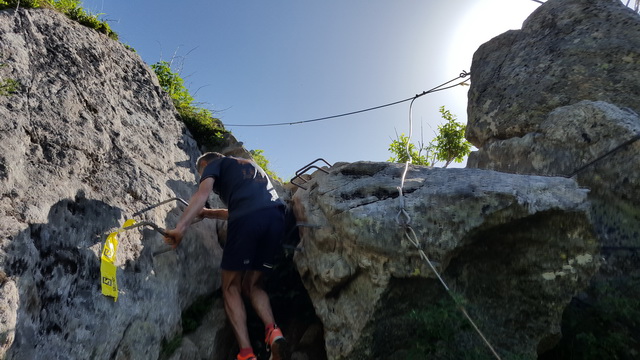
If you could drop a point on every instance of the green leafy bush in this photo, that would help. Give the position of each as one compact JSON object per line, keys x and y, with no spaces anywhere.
{"x":448,"y":146}
{"x":401,"y":148}
{"x":262,"y":161}
{"x":206,"y":130}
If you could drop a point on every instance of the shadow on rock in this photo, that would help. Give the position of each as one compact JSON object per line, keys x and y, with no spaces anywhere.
{"x":54,"y":269}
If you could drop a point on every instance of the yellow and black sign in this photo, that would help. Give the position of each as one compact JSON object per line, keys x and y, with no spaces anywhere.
{"x":108,"y":268}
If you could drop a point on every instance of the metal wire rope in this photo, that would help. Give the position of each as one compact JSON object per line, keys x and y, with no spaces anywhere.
{"x":402,"y":211}
{"x":462,"y":75}
{"x":615,"y":149}
{"x":413,"y":238}
{"x":410,"y":233}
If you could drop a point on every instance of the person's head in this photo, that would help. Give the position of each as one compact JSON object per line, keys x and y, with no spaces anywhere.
{"x":205,"y":159}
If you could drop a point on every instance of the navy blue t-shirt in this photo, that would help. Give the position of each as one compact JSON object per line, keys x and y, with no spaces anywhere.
{"x":242,"y":185}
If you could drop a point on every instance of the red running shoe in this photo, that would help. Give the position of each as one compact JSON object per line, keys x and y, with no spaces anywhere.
{"x":247,"y":357}
{"x":277,"y":345}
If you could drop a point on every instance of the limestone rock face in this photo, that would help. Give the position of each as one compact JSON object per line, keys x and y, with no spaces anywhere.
{"x":571,"y":141}
{"x":566,"y":51}
{"x":88,"y":139}
{"x":516,"y":247}
{"x":591,"y":135}
{"x":559,"y":97}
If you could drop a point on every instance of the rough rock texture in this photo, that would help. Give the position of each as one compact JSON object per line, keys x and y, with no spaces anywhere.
{"x":572,"y":140}
{"x":516,"y":247}
{"x":567,"y":51}
{"x":559,"y":97}
{"x":87,"y":140}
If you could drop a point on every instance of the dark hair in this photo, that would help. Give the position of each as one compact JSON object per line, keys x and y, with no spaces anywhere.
{"x":207,"y":158}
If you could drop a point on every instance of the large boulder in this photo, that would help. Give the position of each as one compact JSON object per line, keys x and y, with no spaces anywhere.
{"x":516,"y":247}
{"x":559,"y":98}
{"x":566,"y":51}
{"x":89,"y":138}
{"x":576,"y":140}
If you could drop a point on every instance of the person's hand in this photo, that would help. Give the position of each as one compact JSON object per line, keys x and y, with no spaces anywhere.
{"x":204,"y":213}
{"x":173,"y":237}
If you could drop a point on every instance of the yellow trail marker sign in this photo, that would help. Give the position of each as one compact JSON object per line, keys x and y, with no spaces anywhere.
{"x":107,"y":263}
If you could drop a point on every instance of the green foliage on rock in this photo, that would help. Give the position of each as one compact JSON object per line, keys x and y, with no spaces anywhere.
{"x":402,"y":149}
{"x":262,"y":161}
{"x":206,"y":129}
{"x":448,"y":146}
{"x":9,"y":86}
{"x":71,"y":8}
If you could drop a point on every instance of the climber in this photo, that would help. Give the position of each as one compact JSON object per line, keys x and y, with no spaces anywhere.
{"x":255,"y":229}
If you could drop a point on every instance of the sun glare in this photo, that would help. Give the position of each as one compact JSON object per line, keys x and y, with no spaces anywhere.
{"x":483,"y":21}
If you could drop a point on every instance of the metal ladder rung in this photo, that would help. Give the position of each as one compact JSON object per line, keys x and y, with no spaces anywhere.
{"x":306,"y":168}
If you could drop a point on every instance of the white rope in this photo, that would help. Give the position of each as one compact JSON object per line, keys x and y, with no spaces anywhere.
{"x":403,"y":218}
{"x":409,"y":160}
{"x":15,"y":14}
{"x":411,"y":236}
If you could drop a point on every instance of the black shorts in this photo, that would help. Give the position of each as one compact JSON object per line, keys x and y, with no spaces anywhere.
{"x":254,"y":240}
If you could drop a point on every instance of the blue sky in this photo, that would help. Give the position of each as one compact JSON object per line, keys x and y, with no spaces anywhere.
{"x":259,"y":62}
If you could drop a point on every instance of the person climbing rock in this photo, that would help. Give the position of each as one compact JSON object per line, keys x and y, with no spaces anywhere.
{"x":255,"y":229}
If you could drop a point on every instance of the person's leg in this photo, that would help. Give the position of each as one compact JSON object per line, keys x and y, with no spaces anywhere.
{"x":234,"y":306}
{"x":236,"y":254}
{"x":253,"y":288}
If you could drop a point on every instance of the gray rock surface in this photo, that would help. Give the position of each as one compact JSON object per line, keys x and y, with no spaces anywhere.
{"x":592,"y":134}
{"x":572,"y":140}
{"x":517,"y":248}
{"x":566,"y":51}
{"x":559,"y":97}
{"x":89,"y":139}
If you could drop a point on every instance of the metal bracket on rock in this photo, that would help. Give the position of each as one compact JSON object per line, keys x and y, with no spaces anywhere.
{"x":306,"y":168}
{"x":146,"y":223}
{"x":153,"y":225}
{"x":160,"y":203}
{"x":402,"y":218}
{"x":297,"y":248}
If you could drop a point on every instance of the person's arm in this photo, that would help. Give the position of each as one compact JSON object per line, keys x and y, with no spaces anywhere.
{"x":196,"y":203}
{"x":222,"y":214}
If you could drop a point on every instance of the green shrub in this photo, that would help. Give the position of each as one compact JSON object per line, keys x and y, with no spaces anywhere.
{"x":401,"y":148}
{"x":262,"y":161}
{"x":448,"y":146}
{"x":206,"y":130}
